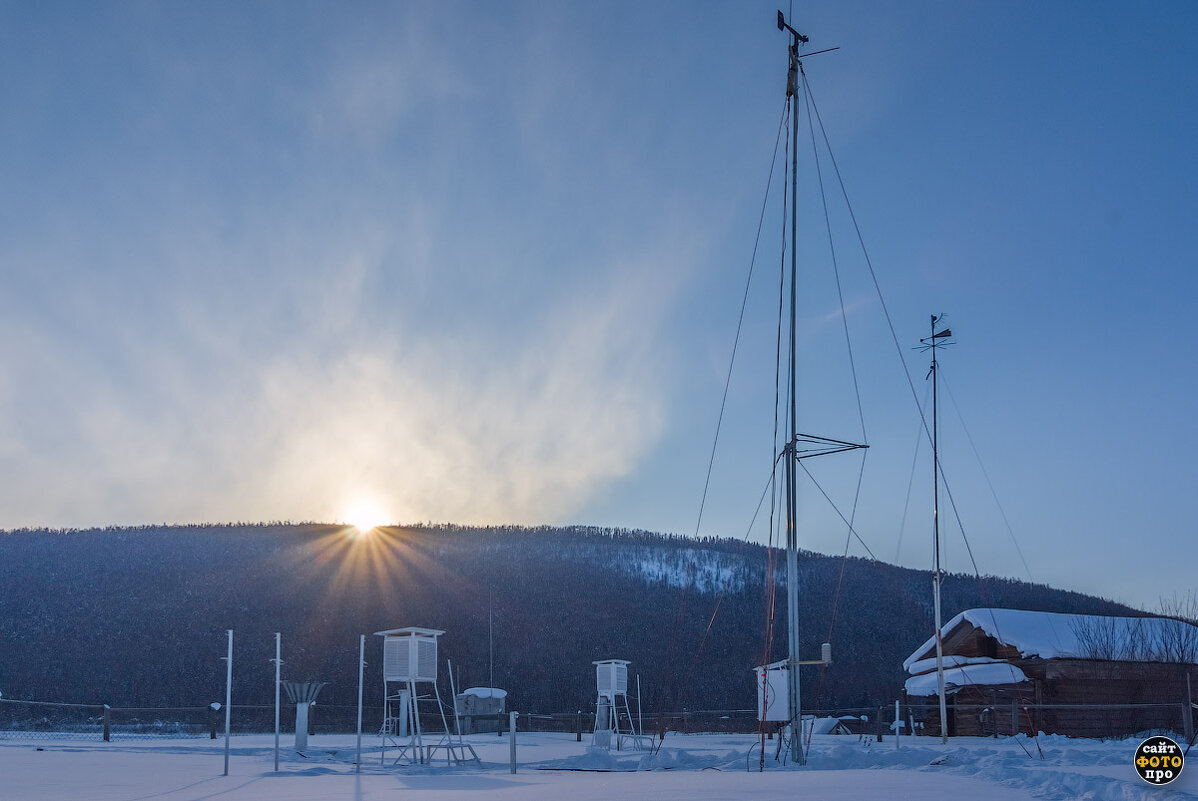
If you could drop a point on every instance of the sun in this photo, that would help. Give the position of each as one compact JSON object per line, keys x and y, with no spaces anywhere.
{"x":365,"y":517}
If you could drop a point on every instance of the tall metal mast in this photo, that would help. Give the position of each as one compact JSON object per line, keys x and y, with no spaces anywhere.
{"x":798,"y":446}
{"x":794,"y":709}
{"x":931,"y":343}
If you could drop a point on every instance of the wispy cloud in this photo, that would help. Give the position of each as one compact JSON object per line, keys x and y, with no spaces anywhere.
{"x":299,"y":403}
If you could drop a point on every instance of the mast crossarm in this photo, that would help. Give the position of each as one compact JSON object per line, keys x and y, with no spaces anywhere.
{"x":821,"y":446}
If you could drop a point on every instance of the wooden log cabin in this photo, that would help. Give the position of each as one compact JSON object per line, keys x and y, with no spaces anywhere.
{"x":1013,"y":670}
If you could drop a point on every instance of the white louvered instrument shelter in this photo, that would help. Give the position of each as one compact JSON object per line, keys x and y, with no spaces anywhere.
{"x":410,"y":654}
{"x":611,"y":677}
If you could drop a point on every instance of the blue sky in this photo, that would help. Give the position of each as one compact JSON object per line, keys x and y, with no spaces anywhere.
{"x":482,"y":263}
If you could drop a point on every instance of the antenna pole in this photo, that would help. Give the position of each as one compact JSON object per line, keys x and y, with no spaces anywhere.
{"x":936,"y":538}
{"x":794,"y":707}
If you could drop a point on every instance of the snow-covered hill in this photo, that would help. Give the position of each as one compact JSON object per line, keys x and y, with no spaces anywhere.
{"x":137,"y":617}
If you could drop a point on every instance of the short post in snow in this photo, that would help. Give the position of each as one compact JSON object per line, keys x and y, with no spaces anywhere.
{"x":898,"y":722}
{"x":213,"y":716}
{"x":228,"y":696}
{"x":578,"y":738}
{"x":880,"y":724}
{"x":107,"y":723}
{"x":511,"y":722}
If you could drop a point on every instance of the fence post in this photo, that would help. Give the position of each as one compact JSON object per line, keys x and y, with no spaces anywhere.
{"x":512,"y":740}
{"x":578,"y":739}
{"x":1038,"y":718}
{"x":879,"y":724}
{"x":107,"y":723}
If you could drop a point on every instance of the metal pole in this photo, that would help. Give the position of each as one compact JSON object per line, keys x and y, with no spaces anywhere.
{"x":228,"y":697}
{"x":361,"y":672}
{"x":453,"y":689}
{"x":936,"y":542}
{"x":490,"y":641}
{"x":1189,"y":716}
{"x":278,"y":660}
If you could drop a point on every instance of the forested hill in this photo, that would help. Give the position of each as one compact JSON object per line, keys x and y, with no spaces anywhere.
{"x":137,"y":616}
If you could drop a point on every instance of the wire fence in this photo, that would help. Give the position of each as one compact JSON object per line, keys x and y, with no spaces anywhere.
{"x":28,"y":720}
{"x":1010,"y":717}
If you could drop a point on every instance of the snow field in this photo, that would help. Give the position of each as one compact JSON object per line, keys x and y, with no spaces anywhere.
{"x":554,"y":766}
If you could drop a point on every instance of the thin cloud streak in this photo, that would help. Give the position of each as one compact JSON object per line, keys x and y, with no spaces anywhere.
{"x":478,"y":427}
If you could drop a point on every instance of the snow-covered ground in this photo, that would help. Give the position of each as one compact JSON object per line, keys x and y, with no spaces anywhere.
{"x":554,"y":766}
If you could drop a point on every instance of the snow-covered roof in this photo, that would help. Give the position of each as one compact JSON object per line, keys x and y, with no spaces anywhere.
{"x":410,"y":631}
{"x":1053,"y":635}
{"x":950,"y":660}
{"x":828,"y":726}
{"x":485,"y":692}
{"x":964,"y":676}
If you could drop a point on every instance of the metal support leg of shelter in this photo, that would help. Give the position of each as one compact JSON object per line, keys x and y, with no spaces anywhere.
{"x":402,"y":718}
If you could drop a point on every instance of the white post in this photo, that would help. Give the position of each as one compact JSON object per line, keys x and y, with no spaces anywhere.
{"x":361,"y":671}
{"x":278,"y":660}
{"x":511,"y":718}
{"x":228,"y":697}
{"x":640,"y":725}
{"x":898,"y":721}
